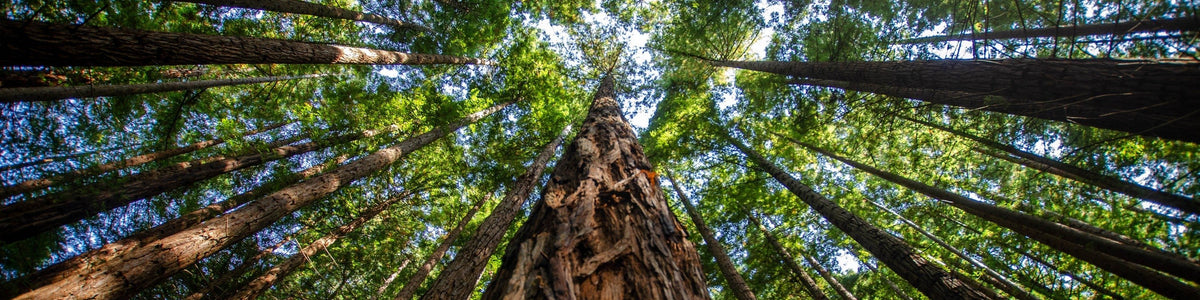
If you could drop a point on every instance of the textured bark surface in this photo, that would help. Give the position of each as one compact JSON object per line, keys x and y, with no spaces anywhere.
{"x":87,"y":91}
{"x":418,"y":278}
{"x":458,"y":278}
{"x":602,"y":229}
{"x":934,"y":282}
{"x":44,"y":44}
{"x":146,"y":265}
{"x":1120,"y":28}
{"x":733,"y":278}
{"x":1120,"y":259}
{"x":312,"y":9}
{"x":806,"y":281}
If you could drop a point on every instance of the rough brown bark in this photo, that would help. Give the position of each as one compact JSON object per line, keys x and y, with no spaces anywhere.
{"x":1120,"y":259}
{"x":602,"y":229}
{"x":732,"y":277}
{"x":418,"y":278}
{"x":27,"y":94}
{"x":44,"y":44}
{"x":143,"y":266}
{"x":1107,"y":90}
{"x":458,"y":278}
{"x":806,"y":281}
{"x":891,"y":285}
{"x":897,"y":254}
{"x":1119,"y":28}
{"x":388,"y":282}
{"x":312,"y":9}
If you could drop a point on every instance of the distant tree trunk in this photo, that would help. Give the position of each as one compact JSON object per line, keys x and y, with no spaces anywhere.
{"x":931,"y":280}
{"x":1068,"y":171}
{"x":1120,"y":28}
{"x":806,"y":281}
{"x":28,"y":94}
{"x":146,"y":265}
{"x":388,"y":282}
{"x":312,"y":9}
{"x":732,"y":277}
{"x":418,"y":278}
{"x":211,"y":289}
{"x":256,"y":287}
{"x":54,"y":158}
{"x":36,"y":184}
{"x":1105,"y":89}
{"x":891,"y":285}
{"x":602,"y":229}
{"x":458,"y":278}
{"x":45,"y":44}
{"x":1120,"y":259}
{"x":821,"y":270}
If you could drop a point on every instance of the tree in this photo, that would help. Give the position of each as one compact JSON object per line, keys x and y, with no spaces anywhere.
{"x":88,"y":91}
{"x":306,"y":8}
{"x":732,"y":277}
{"x":417,"y":279}
{"x":1115,"y":29}
{"x":806,"y":281}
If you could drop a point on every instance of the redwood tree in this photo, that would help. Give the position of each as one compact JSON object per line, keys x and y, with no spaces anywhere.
{"x":313,"y":9}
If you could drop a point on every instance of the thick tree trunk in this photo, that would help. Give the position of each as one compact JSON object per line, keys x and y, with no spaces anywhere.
{"x":388,"y":282}
{"x":1120,"y":259}
{"x":1115,"y":29}
{"x":1106,"y":91}
{"x":44,"y":44}
{"x":837,"y":285}
{"x":806,"y":281}
{"x":458,"y":278}
{"x":732,"y":277}
{"x":28,"y":94}
{"x":891,"y":285}
{"x":418,"y":278}
{"x":256,"y":287}
{"x":897,"y":254}
{"x":143,"y":266}
{"x":1068,"y":171}
{"x":312,"y":9}
{"x":211,"y":289}
{"x":602,"y":229}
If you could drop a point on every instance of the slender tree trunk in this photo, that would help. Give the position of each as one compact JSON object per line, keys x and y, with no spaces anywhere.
{"x":806,"y":281}
{"x":388,"y":282}
{"x":45,"y":44}
{"x":312,"y":9}
{"x":1105,"y":89}
{"x":210,"y":290}
{"x":891,"y":285}
{"x":897,"y":254}
{"x":146,"y":265}
{"x":256,"y":287}
{"x":732,"y":277}
{"x":458,"y":278}
{"x":54,"y":158}
{"x":29,"y":94}
{"x":417,"y":279}
{"x":1068,"y":171}
{"x":1120,"y":259}
{"x":1120,"y":28}
{"x":602,"y":229}
{"x":837,"y":285}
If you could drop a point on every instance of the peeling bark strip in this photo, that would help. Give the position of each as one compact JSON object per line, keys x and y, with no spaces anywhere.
{"x":725,"y":264}
{"x":1120,"y":28}
{"x":45,"y":44}
{"x":417,"y":279}
{"x":312,"y":9}
{"x":88,"y":91}
{"x":806,"y":281}
{"x":897,"y":254}
{"x":1104,"y":92}
{"x":146,"y":265}
{"x":458,"y":279}
{"x":602,"y":229}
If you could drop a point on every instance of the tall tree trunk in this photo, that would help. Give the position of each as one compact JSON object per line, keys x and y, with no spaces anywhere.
{"x":25,"y":219}
{"x":1115,"y":29}
{"x":1105,"y":89}
{"x":897,"y":254}
{"x":806,"y":281}
{"x":36,"y":184}
{"x":458,"y":278}
{"x":312,"y":9}
{"x":891,"y":285}
{"x":1120,"y":259}
{"x":28,"y":94}
{"x":211,"y":289}
{"x":418,"y":278}
{"x":256,"y":287}
{"x":388,"y":282}
{"x":602,"y":229}
{"x":1068,"y":171}
{"x":146,"y":265}
{"x":732,"y":277}
{"x":54,"y":158}
{"x":821,"y":270}
{"x":45,"y":44}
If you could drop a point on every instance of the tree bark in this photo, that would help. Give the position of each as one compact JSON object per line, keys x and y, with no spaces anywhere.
{"x":897,"y":254}
{"x":732,"y":277}
{"x":1120,"y":259}
{"x":891,"y":285}
{"x":28,"y":94}
{"x":1105,"y":91}
{"x":44,"y":44}
{"x":1115,"y":29}
{"x":458,"y":278}
{"x":210,"y":289}
{"x":806,"y":281}
{"x":602,"y":229}
{"x":418,"y":278}
{"x":141,"y":267}
{"x":54,"y":158}
{"x":388,"y":282}
{"x":312,"y":9}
